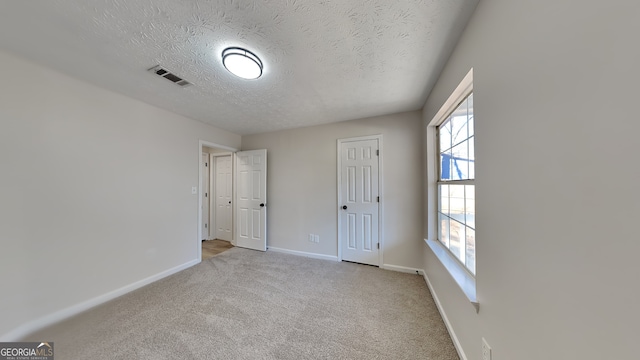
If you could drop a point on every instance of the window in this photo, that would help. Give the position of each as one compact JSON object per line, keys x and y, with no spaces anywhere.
{"x":450,"y":186}
{"x":456,"y":188}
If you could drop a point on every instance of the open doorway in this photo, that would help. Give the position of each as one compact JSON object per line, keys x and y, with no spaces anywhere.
{"x":215,"y":200}
{"x":227,"y":175}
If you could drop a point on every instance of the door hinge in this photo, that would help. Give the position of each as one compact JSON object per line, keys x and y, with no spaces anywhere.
{"x":206,"y":164}
{"x":378,"y":198}
{"x":206,"y":195}
{"x":378,"y":246}
{"x":205,"y":226}
{"x":378,"y":152}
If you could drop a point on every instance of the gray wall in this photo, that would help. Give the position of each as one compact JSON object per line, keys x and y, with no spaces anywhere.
{"x":557,"y":180}
{"x":302,"y":185}
{"x":95,"y":191}
{"x":214,"y":150}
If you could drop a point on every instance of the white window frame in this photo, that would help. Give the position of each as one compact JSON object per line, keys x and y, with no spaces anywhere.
{"x":440,"y":181}
{"x":458,"y":271}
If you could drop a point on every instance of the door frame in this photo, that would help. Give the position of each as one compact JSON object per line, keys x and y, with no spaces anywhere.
{"x":201,"y":145}
{"x":380,"y":191}
{"x":208,"y":198}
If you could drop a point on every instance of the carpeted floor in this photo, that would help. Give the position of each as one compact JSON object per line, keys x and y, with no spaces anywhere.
{"x":245,"y":304}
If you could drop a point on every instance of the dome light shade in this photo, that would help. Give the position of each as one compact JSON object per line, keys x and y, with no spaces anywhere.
{"x":242,"y":63}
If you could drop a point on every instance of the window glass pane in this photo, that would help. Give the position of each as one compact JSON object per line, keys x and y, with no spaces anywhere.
{"x":459,"y":129}
{"x":470,"y":205}
{"x":461,"y":110}
{"x":471,"y":250}
{"x":456,"y":239}
{"x":444,"y":132}
{"x":470,"y":114}
{"x":445,"y":166}
{"x":460,"y":161}
{"x":472,"y":158}
{"x":456,"y":202}
{"x":443,"y":229}
{"x":443,"y":205}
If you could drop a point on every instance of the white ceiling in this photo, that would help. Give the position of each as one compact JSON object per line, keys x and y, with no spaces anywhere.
{"x":324,"y":61}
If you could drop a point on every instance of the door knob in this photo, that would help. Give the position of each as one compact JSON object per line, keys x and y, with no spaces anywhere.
{"x":344,"y":207}
{"x":262,"y":205}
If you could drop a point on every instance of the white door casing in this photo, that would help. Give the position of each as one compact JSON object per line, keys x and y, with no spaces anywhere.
{"x":251,"y":213}
{"x":202,"y":144}
{"x":205,"y":193}
{"x":223,"y":170}
{"x":359,"y":213}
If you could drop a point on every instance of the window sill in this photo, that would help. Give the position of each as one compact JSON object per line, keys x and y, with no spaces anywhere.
{"x":466,"y":282}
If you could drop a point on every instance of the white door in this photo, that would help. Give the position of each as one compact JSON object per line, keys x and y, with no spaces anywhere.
{"x":205,"y":196}
{"x":251,"y":180}
{"x":359,"y":200}
{"x":223,"y":196}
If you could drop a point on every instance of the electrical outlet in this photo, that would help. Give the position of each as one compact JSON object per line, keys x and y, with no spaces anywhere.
{"x":194,"y":190}
{"x":316,"y":239}
{"x":486,"y":350}
{"x":311,"y":238}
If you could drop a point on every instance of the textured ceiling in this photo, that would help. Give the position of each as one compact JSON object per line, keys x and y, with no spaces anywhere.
{"x":324,"y":61}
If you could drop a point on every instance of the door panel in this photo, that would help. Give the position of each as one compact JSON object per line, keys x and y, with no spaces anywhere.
{"x":224,"y":195}
{"x":244,"y":223}
{"x":359,"y":191}
{"x":367,"y":232}
{"x":366,"y":184}
{"x":251,"y":174}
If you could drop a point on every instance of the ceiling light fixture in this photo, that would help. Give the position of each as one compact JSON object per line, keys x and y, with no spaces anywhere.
{"x":242,"y":62}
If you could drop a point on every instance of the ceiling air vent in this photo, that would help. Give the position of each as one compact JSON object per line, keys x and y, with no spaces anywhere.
{"x":160,"y":71}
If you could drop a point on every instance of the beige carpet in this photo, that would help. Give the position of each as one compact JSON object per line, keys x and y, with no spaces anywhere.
{"x":245,"y":304}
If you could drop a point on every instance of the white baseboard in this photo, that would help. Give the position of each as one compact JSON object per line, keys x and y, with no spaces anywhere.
{"x":47,"y":320}
{"x":402,"y":269}
{"x":456,"y":342}
{"x":302,"y":253}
